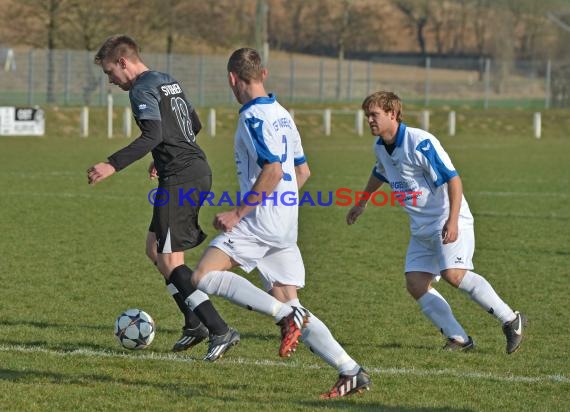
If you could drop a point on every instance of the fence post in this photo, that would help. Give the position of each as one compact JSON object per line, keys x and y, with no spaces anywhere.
{"x":487,"y":80}
{"x":67,"y":78}
{"x":451,"y":123}
{"x":424,"y":120}
{"x":359,"y":121}
{"x":426,"y":86}
{"x":31,"y":77}
{"x":291,"y":78}
{"x":327,"y":121}
{"x":537,"y":123}
{"x":84,"y":122}
{"x":127,"y":128}
{"x":212,"y":122}
{"x":322,"y":80}
{"x":547,"y":86}
{"x":109,"y":115}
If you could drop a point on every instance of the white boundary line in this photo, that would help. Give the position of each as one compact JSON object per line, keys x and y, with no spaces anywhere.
{"x":557,"y":379}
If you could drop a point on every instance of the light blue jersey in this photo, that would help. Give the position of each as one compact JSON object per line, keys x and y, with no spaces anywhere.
{"x":419,"y":164}
{"x":266,"y":133}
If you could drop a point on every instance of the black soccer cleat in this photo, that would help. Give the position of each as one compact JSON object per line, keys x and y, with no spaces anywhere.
{"x":513,"y":331}
{"x":191,"y":337}
{"x":453,"y":345}
{"x":349,"y":384}
{"x":220,"y":344}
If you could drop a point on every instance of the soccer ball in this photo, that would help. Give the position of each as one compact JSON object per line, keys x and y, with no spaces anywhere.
{"x":134,"y":329}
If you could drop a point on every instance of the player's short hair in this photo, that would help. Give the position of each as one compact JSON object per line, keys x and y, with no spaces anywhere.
{"x":246,"y":64}
{"x":387,"y":101}
{"x":117,"y":46}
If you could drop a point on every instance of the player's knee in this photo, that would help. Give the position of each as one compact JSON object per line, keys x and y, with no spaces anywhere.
{"x":453,"y":276}
{"x":417,"y":285}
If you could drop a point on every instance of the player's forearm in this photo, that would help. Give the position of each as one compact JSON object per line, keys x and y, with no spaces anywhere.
{"x":150,"y":137}
{"x":372,"y":185}
{"x":455,"y":194}
{"x":302,"y":173}
{"x":263,"y":187}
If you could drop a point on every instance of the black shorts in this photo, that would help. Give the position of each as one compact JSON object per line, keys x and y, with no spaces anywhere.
{"x":175,"y":223}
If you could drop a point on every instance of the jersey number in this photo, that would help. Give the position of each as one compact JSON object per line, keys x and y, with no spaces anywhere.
{"x":286,"y":176}
{"x":180,"y":109}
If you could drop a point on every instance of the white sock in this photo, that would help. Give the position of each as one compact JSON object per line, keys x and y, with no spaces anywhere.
{"x":437,"y":310}
{"x":320,"y":341}
{"x":196,"y":299}
{"x":481,"y":291}
{"x":242,"y":292}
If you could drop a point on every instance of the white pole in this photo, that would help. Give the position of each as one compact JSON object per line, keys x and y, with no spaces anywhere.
{"x":127,"y":129}
{"x":537,"y":121}
{"x":452,"y":123}
{"x":292,"y":113}
{"x":212,"y":122}
{"x":109,"y":115}
{"x":359,"y":122}
{"x":327,"y":121}
{"x":425,"y":120}
{"x":84,"y":122}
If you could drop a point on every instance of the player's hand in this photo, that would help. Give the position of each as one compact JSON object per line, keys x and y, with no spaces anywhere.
{"x":152,"y":172}
{"x":99,"y":172}
{"x":354,"y":213}
{"x":450,"y":232}
{"x":225,"y":221}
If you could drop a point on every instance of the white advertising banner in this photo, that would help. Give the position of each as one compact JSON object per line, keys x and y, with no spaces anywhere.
{"x":22,"y":121}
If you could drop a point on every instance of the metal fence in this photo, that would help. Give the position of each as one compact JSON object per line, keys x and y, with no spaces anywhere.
{"x":427,"y":82}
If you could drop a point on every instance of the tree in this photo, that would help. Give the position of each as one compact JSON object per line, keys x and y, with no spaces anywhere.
{"x":417,"y":14}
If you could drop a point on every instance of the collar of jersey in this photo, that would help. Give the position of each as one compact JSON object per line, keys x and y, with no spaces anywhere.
{"x":399,"y":135}
{"x":258,"y":100}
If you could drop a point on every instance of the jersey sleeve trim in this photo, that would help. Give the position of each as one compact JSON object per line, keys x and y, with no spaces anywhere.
{"x":378,"y":175}
{"x":300,"y":160}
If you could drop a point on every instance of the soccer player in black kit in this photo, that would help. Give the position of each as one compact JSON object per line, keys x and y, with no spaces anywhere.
{"x":169,"y":126}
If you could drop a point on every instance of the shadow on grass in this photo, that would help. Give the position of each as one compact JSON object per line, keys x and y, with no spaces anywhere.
{"x":346,"y":404}
{"x":31,"y":376}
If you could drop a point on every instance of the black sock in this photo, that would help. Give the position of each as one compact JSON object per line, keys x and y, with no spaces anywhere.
{"x":181,"y":277}
{"x":191,"y":320}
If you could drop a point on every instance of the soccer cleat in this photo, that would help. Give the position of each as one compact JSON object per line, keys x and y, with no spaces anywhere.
{"x":220,"y":344}
{"x":513,"y":330}
{"x":453,"y":345}
{"x":349,"y":384}
{"x":291,"y":326}
{"x":191,"y":337}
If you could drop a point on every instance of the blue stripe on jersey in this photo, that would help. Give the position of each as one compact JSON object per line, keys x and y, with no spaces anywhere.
{"x":255,"y":127}
{"x":259,"y":100}
{"x":400,"y":134}
{"x":378,"y":175}
{"x":426,"y":148}
{"x":300,"y":160}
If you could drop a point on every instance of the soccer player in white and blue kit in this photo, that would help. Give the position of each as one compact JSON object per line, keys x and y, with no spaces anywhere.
{"x":261,"y":232}
{"x":418,"y":169}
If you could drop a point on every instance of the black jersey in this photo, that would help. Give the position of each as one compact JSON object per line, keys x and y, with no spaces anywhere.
{"x":169,"y":126}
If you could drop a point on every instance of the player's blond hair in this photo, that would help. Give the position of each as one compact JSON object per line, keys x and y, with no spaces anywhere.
{"x":117,"y":46}
{"x":387,"y":101}
{"x":246,"y":64}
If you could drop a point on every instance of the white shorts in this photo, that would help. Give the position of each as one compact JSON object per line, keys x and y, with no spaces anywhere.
{"x":275,"y":265}
{"x":432,"y":256}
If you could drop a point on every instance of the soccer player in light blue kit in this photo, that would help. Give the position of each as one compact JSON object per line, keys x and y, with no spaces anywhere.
{"x":415,"y":165}
{"x":262,"y":231}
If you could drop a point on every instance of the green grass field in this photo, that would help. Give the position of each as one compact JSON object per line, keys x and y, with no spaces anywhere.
{"x":73,"y":259}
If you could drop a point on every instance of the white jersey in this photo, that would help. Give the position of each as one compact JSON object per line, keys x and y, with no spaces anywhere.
{"x":419,"y":164}
{"x":266,"y":133}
